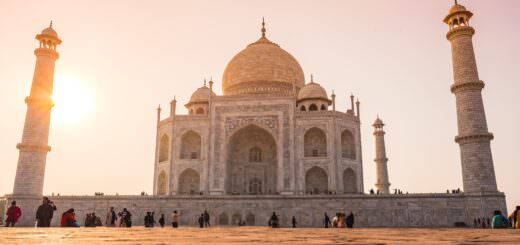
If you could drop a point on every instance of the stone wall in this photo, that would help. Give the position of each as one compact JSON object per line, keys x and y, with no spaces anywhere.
{"x":410,"y":210}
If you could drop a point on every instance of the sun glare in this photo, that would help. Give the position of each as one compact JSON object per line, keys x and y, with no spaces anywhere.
{"x":72,"y":100}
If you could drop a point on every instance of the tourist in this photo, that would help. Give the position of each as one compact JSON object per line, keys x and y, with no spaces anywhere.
{"x":326,"y":220}
{"x":161,"y":221}
{"x":119,"y":220}
{"x":515,"y":218}
{"x":68,"y":219}
{"x":499,"y":221}
{"x":206,"y":219}
{"x":111,"y":218}
{"x":127,"y":218}
{"x":293,"y":221}
{"x":350,"y":220}
{"x":371,"y":191}
{"x":273,"y":221}
{"x":341,"y":220}
{"x":45,"y":212}
{"x":175,"y":219}
{"x":12,"y":215}
{"x":148,"y":220}
{"x":335,"y":221}
{"x":201,"y":221}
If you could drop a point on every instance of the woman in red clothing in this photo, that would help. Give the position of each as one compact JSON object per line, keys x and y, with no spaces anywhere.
{"x":13,"y":214}
{"x":68,"y":219}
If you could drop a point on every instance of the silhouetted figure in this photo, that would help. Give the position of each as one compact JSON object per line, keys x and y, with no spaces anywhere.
{"x":12,"y":215}
{"x":206,"y":219}
{"x":371,"y":191}
{"x":326,"y":220}
{"x":149,"y":220}
{"x":45,"y":212}
{"x":273,"y":221}
{"x":350,"y":220}
{"x":162,"y":221}
{"x":293,"y":221}
{"x":127,"y":218}
{"x":201,"y":221}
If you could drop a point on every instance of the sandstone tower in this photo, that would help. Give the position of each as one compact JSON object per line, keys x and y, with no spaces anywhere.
{"x":382,"y":184}
{"x":33,"y":148}
{"x":474,"y":139}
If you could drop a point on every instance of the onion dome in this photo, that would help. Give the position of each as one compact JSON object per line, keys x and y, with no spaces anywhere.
{"x":262,"y":67}
{"x":457,"y":9}
{"x":312,"y":90}
{"x":378,"y":123}
{"x":200,"y":95}
{"x":49,"y":34}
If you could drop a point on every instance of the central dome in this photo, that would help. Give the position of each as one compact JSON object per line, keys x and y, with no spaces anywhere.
{"x":262,"y":68}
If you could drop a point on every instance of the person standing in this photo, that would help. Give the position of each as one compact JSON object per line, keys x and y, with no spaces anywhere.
{"x":12,"y":215}
{"x":201,"y":221}
{"x":293,"y":221}
{"x":350,"y":220}
{"x":206,"y":219}
{"x":515,"y":218}
{"x":127,"y":218}
{"x":45,"y":212}
{"x":326,"y":220}
{"x":161,"y":221}
{"x":111,"y":218}
{"x":175,"y":219}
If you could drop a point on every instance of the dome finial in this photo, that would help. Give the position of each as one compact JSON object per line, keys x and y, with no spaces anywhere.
{"x":456,"y":3}
{"x":50,"y":25}
{"x":312,"y":78}
{"x":204,"y":82}
{"x":263,"y":27}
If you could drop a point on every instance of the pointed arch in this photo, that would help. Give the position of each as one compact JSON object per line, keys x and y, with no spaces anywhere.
{"x":316,"y":181}
{"x":164,"y":147}
{"x":313,"y":107}
{"x":349,"y":181}
{"x":161,"y":183}
{"x":323,"y":107}
{"x":200,"y":110}
{"x":315,"y":143}
{"x":348,"y":145}
{"x":189,"y":182}
{"x":190,"y":145}
{"x":302,"y":108}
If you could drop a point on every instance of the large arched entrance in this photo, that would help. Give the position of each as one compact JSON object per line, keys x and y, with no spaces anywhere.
{"x":316,"y":181}
{"x":252,"y":162}
{"x":189,"y":182}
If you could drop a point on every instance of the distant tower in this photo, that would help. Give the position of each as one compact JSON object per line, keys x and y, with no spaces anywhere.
{"x":478,"y":173}
{"x":382,"y":184}
{"x":34,"y":146}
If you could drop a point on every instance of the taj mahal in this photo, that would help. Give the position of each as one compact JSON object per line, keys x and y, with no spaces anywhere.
{"x":274,"y":142}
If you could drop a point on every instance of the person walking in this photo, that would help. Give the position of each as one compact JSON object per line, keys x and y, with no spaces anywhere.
{"x":175,"y":219}
{"x":326,"y":220}
{"x":12,"y":215}
{"x":161,"y":221}
{"x":111,"y":218}
{"x":45,"y":212}
{"x":206,"y":219}
{"x":293,"y":221}
{"x":201,"y":221}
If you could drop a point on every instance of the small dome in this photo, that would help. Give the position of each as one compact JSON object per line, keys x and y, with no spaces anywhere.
{"x":457,"y":8}
{"x":378,"y":122}
{"x":201,"y":95}
{"x":312,"y":90}
{"x":50,"y":32}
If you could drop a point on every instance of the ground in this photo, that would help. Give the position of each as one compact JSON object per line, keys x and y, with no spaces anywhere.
{"x":252,"y":235}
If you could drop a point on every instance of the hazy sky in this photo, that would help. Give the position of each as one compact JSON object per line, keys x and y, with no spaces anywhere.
{"x":126,"y":57}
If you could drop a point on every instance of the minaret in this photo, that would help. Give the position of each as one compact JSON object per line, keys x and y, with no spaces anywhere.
{"x":382,"y":184}
{"x":478,"y":173}
{"x":34,"y":146}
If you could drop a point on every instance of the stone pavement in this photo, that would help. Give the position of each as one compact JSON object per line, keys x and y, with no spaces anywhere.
{"x":255,"y":235}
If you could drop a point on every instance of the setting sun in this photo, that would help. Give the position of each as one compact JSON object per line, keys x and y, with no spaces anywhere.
{"x":72,"y":100}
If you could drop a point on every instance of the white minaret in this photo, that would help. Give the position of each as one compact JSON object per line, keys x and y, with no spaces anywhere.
{"x":478,"y":172}
{"x":382,"y":184}
{"x":34,"y":146}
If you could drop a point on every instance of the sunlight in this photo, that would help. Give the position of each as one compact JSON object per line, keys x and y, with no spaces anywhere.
{"x":72,"y":100}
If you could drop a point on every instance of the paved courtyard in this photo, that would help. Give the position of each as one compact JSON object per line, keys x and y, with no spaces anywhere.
{"x":255,"y":235}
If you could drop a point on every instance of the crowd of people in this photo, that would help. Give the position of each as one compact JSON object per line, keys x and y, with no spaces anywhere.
{"x":45,"y":213}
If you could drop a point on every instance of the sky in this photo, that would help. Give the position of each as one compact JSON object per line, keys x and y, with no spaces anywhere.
{"x":120,"y":59}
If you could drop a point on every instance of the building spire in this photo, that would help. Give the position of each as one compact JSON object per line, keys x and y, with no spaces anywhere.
{"x":263,"y":27}
{"x":312,"y":78}
{"x":456,"y":3}
{"x":204,"y":82}
{"x":50,"y":25}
